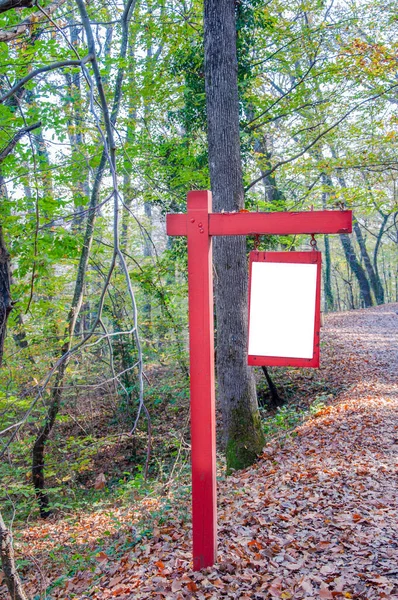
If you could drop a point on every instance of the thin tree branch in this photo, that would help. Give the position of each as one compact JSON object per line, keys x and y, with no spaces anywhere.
{"x":52,"y":67}
{"x":109,"y":146}
{"x":47,"y":14}
{"x":318,"y":137}
{"x":283,"y":95}
{"x":6,"y":5}
{"x":15,"y":31}
{"x":14,"y":141}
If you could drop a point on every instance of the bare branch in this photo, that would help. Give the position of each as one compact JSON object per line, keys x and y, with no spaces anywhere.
{"x":15,"y":31}
{"x":10,"y":4}
{"x":13,"y":142}
{"x":283,"y":95}
{"x":318,"y":137}
{"x":52,"y":67}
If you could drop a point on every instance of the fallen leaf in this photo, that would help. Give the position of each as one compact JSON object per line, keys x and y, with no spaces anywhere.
{"x":100,"y":482}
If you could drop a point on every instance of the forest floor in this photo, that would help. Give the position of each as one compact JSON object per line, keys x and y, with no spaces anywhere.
{"x":316,"y":517}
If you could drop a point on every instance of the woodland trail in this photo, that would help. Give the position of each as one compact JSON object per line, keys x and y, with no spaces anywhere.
{"x":316,"y":517}
{"x":323,"y":508}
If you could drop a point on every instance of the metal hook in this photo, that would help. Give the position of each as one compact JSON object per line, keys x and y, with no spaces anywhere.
{"x":313,"y":243}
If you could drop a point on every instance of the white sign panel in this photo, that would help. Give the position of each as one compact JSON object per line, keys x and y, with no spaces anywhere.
{"x":282,"y":309}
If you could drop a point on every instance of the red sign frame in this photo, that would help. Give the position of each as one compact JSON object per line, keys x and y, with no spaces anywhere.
{"x":200,"y":224}
{"x":311,"y":257}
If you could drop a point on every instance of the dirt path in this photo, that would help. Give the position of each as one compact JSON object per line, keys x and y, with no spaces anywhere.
{"x":317,"y":517}
{"x":322,"y":512}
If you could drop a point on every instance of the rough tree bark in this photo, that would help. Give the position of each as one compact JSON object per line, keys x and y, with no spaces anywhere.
{"x":357,"y":269}
{"x":10,"y":4}
{"x":327,"y":280}
{"x":351,"y":257}
{"x":5,"y":295}
{"x":374,"y":278}
{"x":12,"y":579}
{"x":242,"y":430}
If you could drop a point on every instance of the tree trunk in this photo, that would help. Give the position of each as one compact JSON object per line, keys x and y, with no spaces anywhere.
{"x":5,"y":295}
{"x":5,"y":275}
{"x":276,"y":400}
{"x":378,"y":244}
{"x":351,"y":258}
{"x":327,"y":281}
{"x":338,"y":293}
{"x":385,"y":275}
{"x":76,"y":137}
{"x":357,"y":269}
{"x":128,"y":188}
{"x":148,"y":249}
{"x":374,"y":278}
{"x":11,"y":576}
{"x":40,"y":442}
{"x":147,"y":307}
{"x":242,"y":429}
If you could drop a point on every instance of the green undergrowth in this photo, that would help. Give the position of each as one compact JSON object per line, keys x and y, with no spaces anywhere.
{"x":92,"y":436}
{"x":304,"y":392}
{"x":296,"y":387}
{"x":285,"y":419}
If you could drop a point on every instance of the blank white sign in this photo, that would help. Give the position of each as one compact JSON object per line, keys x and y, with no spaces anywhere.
{"x":282,"y":309}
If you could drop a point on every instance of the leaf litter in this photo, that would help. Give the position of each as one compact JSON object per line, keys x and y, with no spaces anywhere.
{"x":316,"y":517}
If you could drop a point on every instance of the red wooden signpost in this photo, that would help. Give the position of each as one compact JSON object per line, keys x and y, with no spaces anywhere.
{"x":199,"y":224}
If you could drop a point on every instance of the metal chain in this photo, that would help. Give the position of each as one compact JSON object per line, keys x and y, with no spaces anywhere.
{"x":313,"y":243}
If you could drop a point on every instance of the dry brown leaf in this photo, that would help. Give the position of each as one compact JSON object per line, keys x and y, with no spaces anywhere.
{"x":176,"y":585}
{"x":100,"y":482}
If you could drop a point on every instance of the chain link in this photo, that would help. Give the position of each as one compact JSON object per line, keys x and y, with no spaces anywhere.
{"x":313,"y":243}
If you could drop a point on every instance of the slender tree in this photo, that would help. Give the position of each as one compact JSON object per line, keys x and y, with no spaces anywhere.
{"x":5,"y":295}
{"x":55,"y":403}
{"x":357,"y":269}
{"x":12,"y":578}
{"x":327,"y":280}
{"x":374,"y":279}
{"x":7,"y":557}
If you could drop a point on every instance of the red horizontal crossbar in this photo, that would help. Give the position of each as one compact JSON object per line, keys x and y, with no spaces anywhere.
{"x":271,"y":223}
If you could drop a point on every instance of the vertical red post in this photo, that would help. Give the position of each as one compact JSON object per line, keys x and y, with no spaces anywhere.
{"x":201,"y":349}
